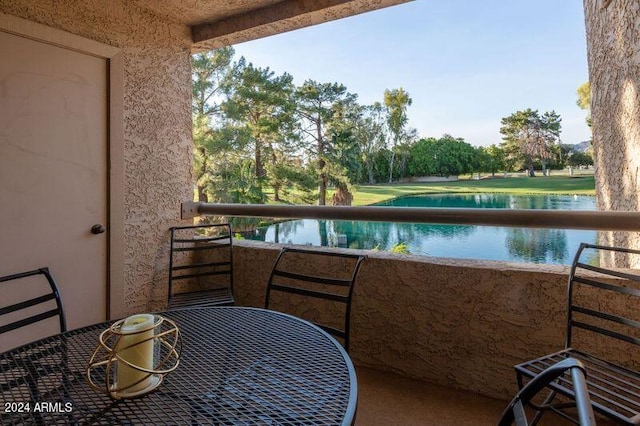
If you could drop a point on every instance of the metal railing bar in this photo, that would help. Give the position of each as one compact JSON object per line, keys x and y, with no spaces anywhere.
{"x":563,"y":219}
{"x":311,"y":279}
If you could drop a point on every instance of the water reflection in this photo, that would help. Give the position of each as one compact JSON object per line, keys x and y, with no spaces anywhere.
{"x":554,"y":246}
{"x":537,"y":245}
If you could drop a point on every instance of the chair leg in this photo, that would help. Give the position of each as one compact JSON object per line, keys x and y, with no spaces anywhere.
{"x":541,"y":408}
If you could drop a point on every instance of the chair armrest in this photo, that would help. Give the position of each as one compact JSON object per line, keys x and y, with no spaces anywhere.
{"x":515,"y":410}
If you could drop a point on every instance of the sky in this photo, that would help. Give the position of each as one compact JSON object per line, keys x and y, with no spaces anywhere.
{"x":465,"y":63}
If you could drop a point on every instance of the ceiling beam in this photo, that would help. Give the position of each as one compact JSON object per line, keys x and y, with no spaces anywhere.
{"x":278,"y":18}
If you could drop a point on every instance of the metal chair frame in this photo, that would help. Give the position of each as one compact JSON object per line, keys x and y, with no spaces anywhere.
{"x":301,"y":279}
{"x":222,"y":296}
{"x":515,"y":412}
{"x":613,"y":389}
{"x":54,"y":295}
{"x":38,"y":363}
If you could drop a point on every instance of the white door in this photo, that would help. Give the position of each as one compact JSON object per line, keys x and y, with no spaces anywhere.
{"x":53,"y":170}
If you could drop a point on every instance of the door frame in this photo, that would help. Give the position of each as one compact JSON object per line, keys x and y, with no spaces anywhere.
{"x":115,"y":141}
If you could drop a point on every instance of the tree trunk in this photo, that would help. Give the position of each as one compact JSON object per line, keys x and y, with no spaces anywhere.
{"x":342,"y":196}
{"x":531,"y":172}
{"x":258,"y":159}
{"x":393,"y":157}
{"x":202,"y":196}
{"x":614,"y":76}
{"x":322,"y":183}
{"x":275,"y":185}
{"x":322,"y":187}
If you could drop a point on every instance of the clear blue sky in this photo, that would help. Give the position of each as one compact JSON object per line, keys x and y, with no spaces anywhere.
{"x":465,"y":63}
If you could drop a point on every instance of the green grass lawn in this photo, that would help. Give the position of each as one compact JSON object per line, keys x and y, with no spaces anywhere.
{"x":584,"y":185}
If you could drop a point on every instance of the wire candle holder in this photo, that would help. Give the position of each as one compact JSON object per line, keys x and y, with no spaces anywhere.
{"x":134,"y":355}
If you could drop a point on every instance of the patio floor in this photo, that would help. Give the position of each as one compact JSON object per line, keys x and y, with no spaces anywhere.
{"x":389,"y":399}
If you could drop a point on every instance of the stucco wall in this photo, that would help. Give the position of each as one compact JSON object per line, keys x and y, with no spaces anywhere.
{"x":613,"y":48}
{"x":156,"y":126}
{"x":460,"y":323}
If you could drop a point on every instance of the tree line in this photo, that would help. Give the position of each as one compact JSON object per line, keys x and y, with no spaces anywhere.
{"x":255,"y":132}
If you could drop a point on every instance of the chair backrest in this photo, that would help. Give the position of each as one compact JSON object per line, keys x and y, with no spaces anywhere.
{"x":201,"y":257}
{"x":43,"y":301}
{"x":321,"y":275}
{"x":602,"y":302}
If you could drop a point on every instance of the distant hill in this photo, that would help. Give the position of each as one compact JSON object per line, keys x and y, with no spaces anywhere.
{"x":580,"y":147}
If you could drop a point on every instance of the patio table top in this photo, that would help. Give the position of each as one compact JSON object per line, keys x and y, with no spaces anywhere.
{"x":238,"y":366}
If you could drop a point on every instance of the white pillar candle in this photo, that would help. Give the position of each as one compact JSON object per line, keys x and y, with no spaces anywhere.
{"x":135,"y":329}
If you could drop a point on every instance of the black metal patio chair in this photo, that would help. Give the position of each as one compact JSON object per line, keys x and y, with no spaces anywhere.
{"x":327,"y":277}
{"x":603,"y":333}
{"x":201,"y":266}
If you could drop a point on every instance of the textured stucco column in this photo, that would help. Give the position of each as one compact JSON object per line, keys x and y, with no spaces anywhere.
{"x":613,"y":44}
{"x":156,"y":105}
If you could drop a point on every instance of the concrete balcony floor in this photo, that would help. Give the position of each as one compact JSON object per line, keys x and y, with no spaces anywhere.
{"x":388,"y":399}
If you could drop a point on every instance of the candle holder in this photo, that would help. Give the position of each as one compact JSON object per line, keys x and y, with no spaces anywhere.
{"x":134,"y":355}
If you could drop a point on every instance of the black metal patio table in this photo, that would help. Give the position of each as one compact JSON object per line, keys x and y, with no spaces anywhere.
{"x":239,"y":366}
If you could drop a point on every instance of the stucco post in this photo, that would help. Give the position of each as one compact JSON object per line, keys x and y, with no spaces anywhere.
{"x":613,"y":48}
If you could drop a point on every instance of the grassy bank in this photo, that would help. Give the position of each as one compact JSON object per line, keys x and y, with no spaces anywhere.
{"x":369,"y":194}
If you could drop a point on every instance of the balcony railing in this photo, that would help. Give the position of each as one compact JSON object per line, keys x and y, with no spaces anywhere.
{"x":595,"y":220}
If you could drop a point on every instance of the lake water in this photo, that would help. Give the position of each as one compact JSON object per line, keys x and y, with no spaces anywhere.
{"x":555,"y":246}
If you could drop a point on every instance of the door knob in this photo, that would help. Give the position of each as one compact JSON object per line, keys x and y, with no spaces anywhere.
{"x":98,"y":229}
